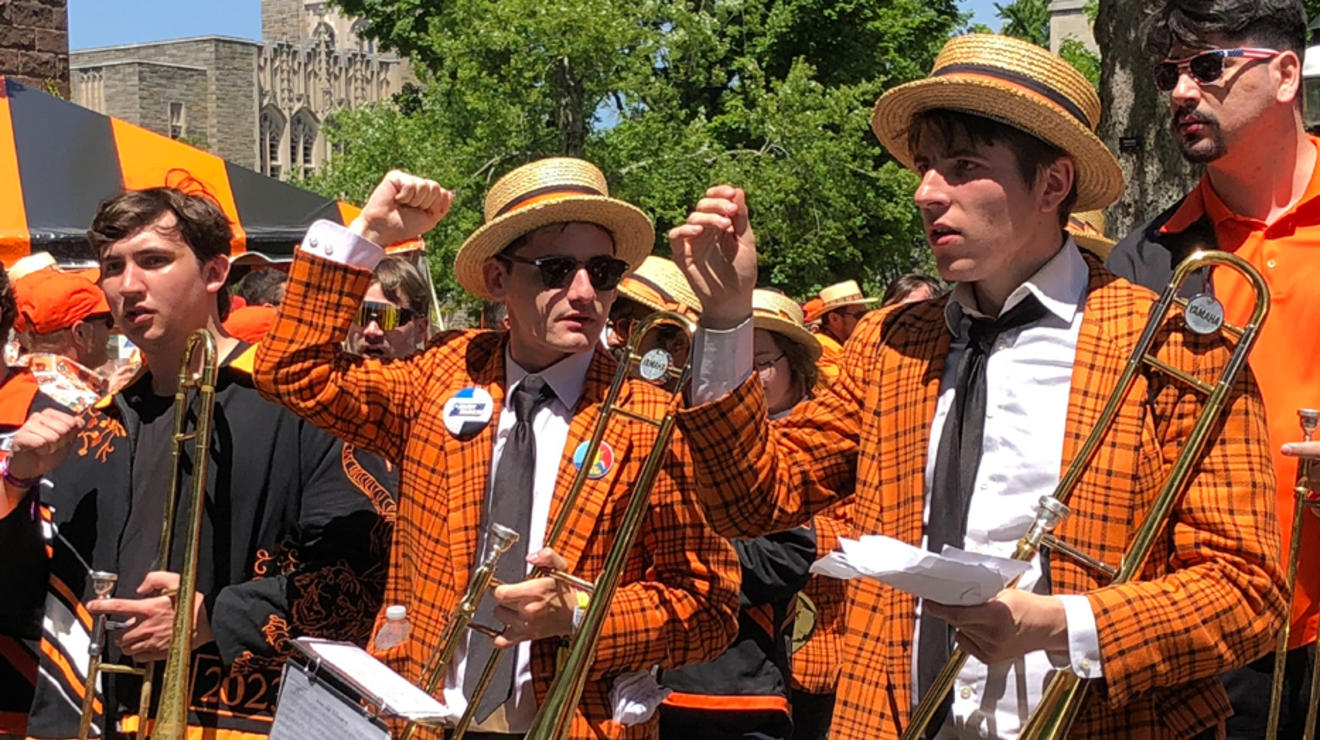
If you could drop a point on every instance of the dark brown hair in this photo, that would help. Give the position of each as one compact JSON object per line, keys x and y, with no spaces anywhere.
{"x":905,"y":285}
{"x":801,"y":368}
{"x":1277,"y":24}
{"x":397,"y":276}
{"x":261,"y":287}
{"x":199,"y":223}
{"x":954,"y":128}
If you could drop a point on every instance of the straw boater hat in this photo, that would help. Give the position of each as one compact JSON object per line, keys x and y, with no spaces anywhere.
{"x":551,"y":191}
{"x":1088,"y":230}
{"x":776,"y":312}
{"x":659,"y":285}
{"x":846,"y":293}
{"x":1017,"y":83}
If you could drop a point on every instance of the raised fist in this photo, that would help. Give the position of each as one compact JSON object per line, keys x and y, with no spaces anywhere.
{"x":402,"y":207}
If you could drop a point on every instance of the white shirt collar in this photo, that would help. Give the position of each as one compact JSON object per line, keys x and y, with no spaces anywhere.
{"x":1060,"y":285}
{"x":565,"y":377}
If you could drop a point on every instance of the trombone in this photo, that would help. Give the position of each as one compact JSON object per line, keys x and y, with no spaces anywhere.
{"x":171,"y":721}
{"x":1065,"y":692}
{"x":1309,"y":420}
{"x":555,"y":715}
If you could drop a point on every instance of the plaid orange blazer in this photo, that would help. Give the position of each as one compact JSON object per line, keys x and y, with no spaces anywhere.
{"x":1210,"y":597}
{"x":678,"y":601}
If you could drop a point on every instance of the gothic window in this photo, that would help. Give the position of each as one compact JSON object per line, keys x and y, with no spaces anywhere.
{"x":359,"y":30}
{"x":302,"y":141}
{"x":272,"y":130}
{"x":324,"y":36}
{"x":178,"y":125}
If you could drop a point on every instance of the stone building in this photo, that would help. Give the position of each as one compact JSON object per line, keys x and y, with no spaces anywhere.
{"x":1068,"y":18}
{"x":262,"y":104}
{"x":34,"y":44}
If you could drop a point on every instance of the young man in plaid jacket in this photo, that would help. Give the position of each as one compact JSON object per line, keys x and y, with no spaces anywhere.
{"x":552,"y":250}
{"x":1002,"y":135}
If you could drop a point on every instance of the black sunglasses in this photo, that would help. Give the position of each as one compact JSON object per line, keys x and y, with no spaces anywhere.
{"x":387,"y":317}
{"x":557,"y":271}
{"x":1206,"y":67}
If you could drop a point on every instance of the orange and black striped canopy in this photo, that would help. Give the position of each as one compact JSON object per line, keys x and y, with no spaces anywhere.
{"x":58,"y":161}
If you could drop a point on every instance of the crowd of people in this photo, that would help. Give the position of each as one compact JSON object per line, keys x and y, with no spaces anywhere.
{"x":361,"y":468}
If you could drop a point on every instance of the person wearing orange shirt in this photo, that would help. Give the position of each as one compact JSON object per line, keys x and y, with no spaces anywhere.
{"x":1233,"y":72}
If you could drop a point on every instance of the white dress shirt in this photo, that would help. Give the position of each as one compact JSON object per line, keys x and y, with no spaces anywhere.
{"x":550,"y":425}
{"x":1028,"y":383}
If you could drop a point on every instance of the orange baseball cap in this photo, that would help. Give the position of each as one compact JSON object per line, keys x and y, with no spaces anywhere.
{"x":50,"y":300}
{"x":250,"y":323}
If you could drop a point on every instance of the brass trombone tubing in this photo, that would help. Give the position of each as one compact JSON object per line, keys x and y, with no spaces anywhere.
{"x":1063,"y":695}
{"x":554,"y":718}
{"x":555,"y":714}
{"x":171,"y":720}
{"x":1301,"y":493}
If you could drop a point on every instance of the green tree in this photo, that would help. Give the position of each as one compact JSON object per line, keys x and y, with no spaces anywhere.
{"x":1083,"y":59}
{"x":668,"y":98}
{"x":1029,"y":20}
{"x":1026,"y":19}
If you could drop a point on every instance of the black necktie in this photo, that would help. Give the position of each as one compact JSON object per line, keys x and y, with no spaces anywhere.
{"x":954,"y":476}
{"x":510,"y":504}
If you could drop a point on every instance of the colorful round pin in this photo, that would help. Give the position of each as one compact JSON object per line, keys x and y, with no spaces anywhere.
{"x":601,"y":465}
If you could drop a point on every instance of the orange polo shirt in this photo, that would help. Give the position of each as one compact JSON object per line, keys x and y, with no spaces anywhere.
{"x":1286,"y":359}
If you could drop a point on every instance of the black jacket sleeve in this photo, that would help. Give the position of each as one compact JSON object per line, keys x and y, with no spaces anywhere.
{"x":776,"y":566}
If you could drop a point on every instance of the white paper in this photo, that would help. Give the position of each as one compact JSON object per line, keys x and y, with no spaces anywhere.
{"x":397,"y":696}
{"x":954,"y":577}
{"x":308,"y":708}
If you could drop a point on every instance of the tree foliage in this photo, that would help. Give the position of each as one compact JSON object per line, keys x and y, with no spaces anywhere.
{"x":1026,"y":19}
{"x":667,"y":98}
{"x":1029,"y":20}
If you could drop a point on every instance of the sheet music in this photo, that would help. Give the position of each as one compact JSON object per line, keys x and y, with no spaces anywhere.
{"x":311,"y":709}
{"x":398,"y":697}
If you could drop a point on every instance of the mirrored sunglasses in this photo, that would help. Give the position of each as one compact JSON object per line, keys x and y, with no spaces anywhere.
{"x":1206,"y":67}
{"x":386,"y":316}
{"x":603,"y":271}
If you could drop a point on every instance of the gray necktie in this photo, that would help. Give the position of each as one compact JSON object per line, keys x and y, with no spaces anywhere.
{"x":510,"y":504}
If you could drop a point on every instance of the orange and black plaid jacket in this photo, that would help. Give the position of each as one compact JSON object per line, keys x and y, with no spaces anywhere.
{"x":678,"y":599}
{"x":1210,"y":597}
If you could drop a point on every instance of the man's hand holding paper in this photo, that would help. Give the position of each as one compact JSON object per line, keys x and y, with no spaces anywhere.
{"x":966,"y":589}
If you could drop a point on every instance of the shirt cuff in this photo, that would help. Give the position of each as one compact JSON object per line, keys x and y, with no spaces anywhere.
{"x":1083,"y":656}
{"x":331,"y":241}
{"x":722,"y":359}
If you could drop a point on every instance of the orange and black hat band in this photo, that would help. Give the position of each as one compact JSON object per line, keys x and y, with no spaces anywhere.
{"x":1036,"y":86}
{"x":542,"y":194}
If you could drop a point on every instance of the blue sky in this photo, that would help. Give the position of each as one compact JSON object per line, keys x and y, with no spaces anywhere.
{"x":95,"y":23}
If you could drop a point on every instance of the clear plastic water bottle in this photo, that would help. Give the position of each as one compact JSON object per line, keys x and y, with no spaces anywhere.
{"x":396,"y":627}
